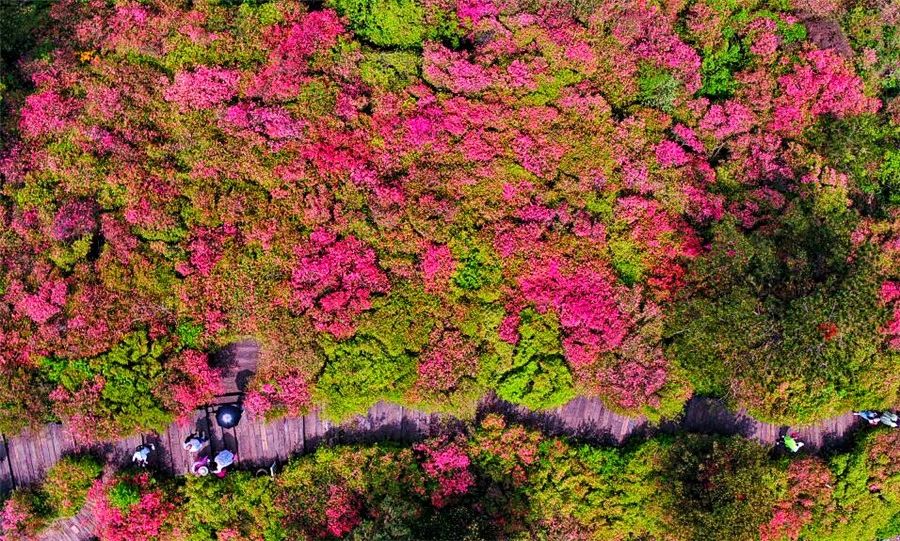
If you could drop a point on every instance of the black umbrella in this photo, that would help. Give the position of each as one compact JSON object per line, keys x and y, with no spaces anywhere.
{"x":228,"y":416}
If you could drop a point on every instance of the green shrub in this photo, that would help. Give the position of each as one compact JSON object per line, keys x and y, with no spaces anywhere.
{"x":123,"y":495}
{"x":719,"y":488}
{"x":359,"y":373}
{"x":240,"y":502}
{"x":68,"y":481}
{"x":400,"y":24}
{"x":785,"y":320}
{"x":133,"y":371}
{"x":537,"y":375}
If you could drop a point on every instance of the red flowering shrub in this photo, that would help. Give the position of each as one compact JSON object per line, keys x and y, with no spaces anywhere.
{"x":289,"y":392}
{"x":809,"y":486}
{"x":202,"y":88}
{"x":129,"y":508}
{"x":23,"y":516}
{"x":823,"y":84}
{"x":587,"y":308}
{"x":446,"y":463}
{"x":503,"y":450}
{"x":193,"y":382}
{"x":341,"y":511}
{"x":450,"y":358}
{"x":334,"y":280}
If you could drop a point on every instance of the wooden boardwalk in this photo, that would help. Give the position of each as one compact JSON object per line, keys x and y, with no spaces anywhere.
{"x":258,"y":443}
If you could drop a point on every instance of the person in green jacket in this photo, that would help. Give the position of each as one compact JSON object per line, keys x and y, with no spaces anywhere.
{"x":792,"y":444}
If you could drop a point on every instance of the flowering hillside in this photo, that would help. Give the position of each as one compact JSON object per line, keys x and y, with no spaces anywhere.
{"x":424,"y":201}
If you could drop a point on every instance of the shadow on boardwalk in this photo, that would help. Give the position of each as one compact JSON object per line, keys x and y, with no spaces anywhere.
{"x":258,"y":443}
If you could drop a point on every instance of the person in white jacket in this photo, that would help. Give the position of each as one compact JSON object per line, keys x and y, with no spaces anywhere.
{"x":224,"y":459}
{"x":889,"y":418}
{"x":195,"y":442}
{"x":142,"y":454}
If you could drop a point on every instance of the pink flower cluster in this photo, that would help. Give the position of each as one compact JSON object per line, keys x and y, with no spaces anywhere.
{"x":587,"y":306}
{"x":632,"y":383}
{"x":198,"y":383}
{"x":45,"y":113}
{"x":648,"y":33}
{"x":727,"y":119}
{"x":202,"y":88}
{"x":822,"y":84}
{"x":14,"y":521}
{"x":890,"y":295}
{"x":452,"y":70}
{"x":81,"y":410}
{"x":448,"y":464}
{"x":273,"y":122}
{"x":437,"y":267}
{"x":670,"y":154}
{"x":341,"y":511}
{"x":809,"y":484}
{"x":450,"y":357}
{"x":291,"y":45}
{"x":47,"y":302}
{"x":74,"y":219}
{"x":290,"y":391}
{"x":763,"y":32}
{"x":334,"y":281}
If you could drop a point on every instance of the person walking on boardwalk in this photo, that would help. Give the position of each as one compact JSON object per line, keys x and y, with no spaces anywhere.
{"x":871,"y":416}
{"x":792,"y":444}
{"x":889,"y":418}
{"x":142,"y":453}
{"x":224,"y":459}
{"x":195,"y":442}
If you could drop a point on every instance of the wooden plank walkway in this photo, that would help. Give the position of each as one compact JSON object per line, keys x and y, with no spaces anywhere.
{"x":259,"y":444}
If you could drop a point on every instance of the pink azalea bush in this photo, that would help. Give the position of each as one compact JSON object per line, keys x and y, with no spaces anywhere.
{"x":202,"y":88}
{"x":140,"y":520}
{"x":334,"y":281}
{"x":450,"y":358}
{"x":447,"y":465}
{"x":587,"y":307}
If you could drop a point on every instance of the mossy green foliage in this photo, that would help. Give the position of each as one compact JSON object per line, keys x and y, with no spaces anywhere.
{"x":67,"y":482}
{"x":866,"y":500}
{"x":132,"y":371}
{"x":123,"y":495}
{"x":359,"y":373}
{"x":657,"y":88}
{"x":28,"y":382}
{"x":389,"y":70}
{"x":379,"y":363}
{"x":864,"y":147}
{"x":400,"y":24}
{"x":717,"y":488}
{"x":535,"y":375}
{"x":240,"y":501}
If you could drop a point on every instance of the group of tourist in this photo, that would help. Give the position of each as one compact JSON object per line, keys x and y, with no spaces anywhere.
{"x":193,"y":444}
{"x":201,"y":466}
{"x":888,"y":418}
